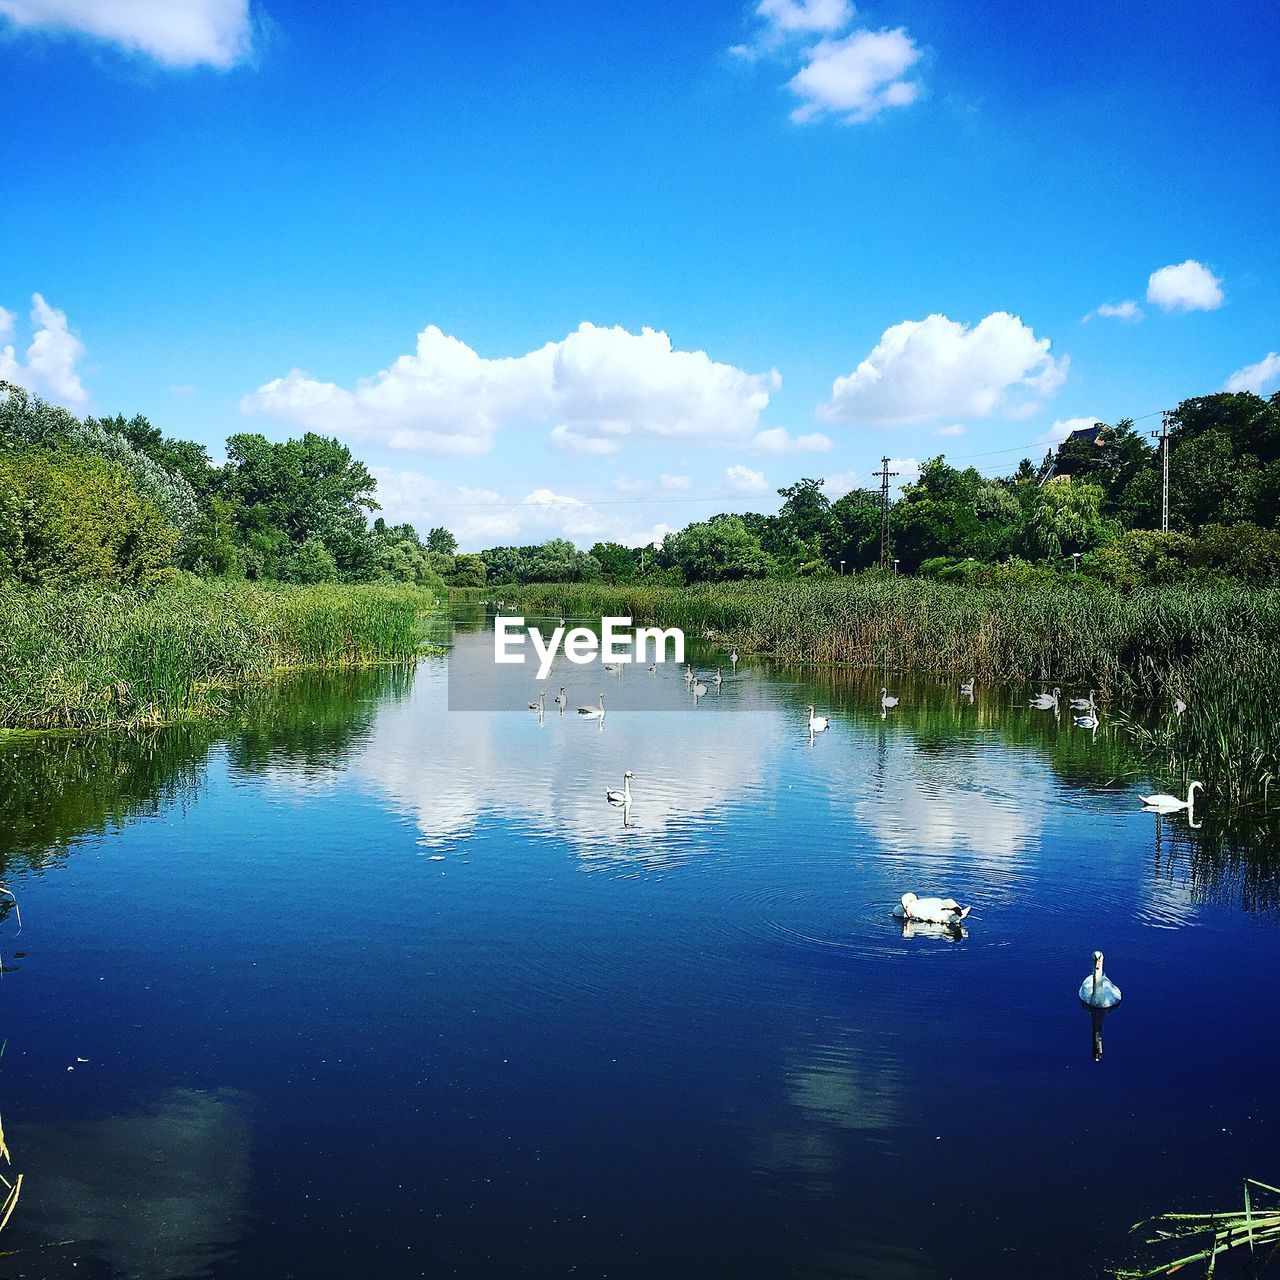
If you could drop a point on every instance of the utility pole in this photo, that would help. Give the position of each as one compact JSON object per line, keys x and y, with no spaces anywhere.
{"x":1163,"y":436}
{"x":885,"y":475}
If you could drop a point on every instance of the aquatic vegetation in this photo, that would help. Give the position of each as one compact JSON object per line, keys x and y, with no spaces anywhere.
{"x":1217,"y":648}
{"x":1249,"y":1228}
{"x":84,"y":658}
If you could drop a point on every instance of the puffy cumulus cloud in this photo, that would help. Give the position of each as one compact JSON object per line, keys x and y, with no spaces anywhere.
{"x":176,"y":33}
{"x":1064,"y":427}
{"x":857,"y":77}
{"x":937,"y":367}
{"x":1128,"y":310}
{"x":784,"y":21}
{"x":743,"y":480}
{"x":482,"y":518}
{"x":908,"y":469}
{"x":1258,"y":378}
{"x":51,"y":359}
{"x":778,"y":440}
{"x":600,"y":387}
{"x":1189,"y":286}
{"x":841,"y":483}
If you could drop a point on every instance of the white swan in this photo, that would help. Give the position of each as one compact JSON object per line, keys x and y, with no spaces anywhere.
{"x":698,"y":688}
{"x":966,"y":689}
{"x":596,"y":713}
{"x":1097,"y":991}
{"x":733,"y":658}
{"x":1163,"y":802}
{"x":816,"y":723}
{"x":931,"y":910}
{"x":1084,"y":704}
{"x":1046,"y":701}
{"x":613,"y":668}
{"x":1087,"y":721}
{"x":688,"y":674}
{"x":541,"y":702}
{"x":1178,"y":706}
{"x":623,"y":796}
{"x":886,"y":701}
{"x":560,"y":699}
{"x":718,"y":678}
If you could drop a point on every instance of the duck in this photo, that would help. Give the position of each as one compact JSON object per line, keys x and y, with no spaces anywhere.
{"x":1097,"y":991}
{"x":966,"y":689}
{"x":1084,"y":704}
{"x":1163,"y":802}
{"x":1047,"y":701}
{"x":931,"y":910}
{"x":886,"y":701}
{"x":595,"y":712}
{"x":623,"y":796}
{"x":816,"y":723}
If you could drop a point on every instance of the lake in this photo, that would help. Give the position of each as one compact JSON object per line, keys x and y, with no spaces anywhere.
{"x":362,"y":986}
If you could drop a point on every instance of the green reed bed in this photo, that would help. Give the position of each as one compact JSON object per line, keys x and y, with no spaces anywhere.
{"x":80,"y":658}
{"x":1216,"y":647}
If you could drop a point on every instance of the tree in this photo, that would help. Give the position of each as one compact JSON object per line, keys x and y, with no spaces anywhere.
{"x":309,"y":562}
{"x":1066,"y":517}
{"x":442,"y":541}
{"x":720,"y":550}
{"x":617,"y":563}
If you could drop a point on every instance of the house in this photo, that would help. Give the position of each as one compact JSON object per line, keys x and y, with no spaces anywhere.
{"x":1095,"y":435}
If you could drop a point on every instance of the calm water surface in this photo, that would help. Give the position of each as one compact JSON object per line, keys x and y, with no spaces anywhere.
{"x":367,"y":987}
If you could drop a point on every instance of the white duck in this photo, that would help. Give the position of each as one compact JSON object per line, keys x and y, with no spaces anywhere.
{"x":816,"y":723}
{"x":1097,"y":991}
{"x":1163,"y":802}
{"x":596,"y":713}
{"x":931,"y":910}
{"x":886,"y":701}
{"x":623,"y":796}
{"x":1047,"y":701}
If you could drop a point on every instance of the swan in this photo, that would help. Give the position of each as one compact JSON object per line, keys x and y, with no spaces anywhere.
{"x":733,"y":658}
{"x":886,"y":701}
{"x":1162,"y":802}
{"x":718,"y":678}
{"x":1178,"y":706}
{"x":1087,"y":721}
{"x":1084,"y":704}
{"x":698,"y":688}
{"x":612,"y":668}
{"x":966,"y":689}
{"x":1046,"y":701}
{"x":623,"y":796}
{"x":653,"y":666}
{"x":1097,"y":991}
{"x":931,"y":910}
{"x":541,"y":702}
{"x":595,"y":712}
{"x":816,"y":723}
{"x":560,"y":623}
{"x":688,"y":674}
{"x":560,"y":700}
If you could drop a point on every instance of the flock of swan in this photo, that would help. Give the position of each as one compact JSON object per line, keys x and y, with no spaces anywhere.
{"x":1097,"y":992}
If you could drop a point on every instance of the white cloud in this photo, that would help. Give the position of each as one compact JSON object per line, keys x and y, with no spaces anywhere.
{"x":857,"y":77}
{"x":601,"y":387}
{"x":778,"y":440}
{"x":806,"y":17}
{"x":176,"y":33}
{"x":908,"y":469}
{"x":937,"y":367}
{"x":955,"y":429}
{"x":1064,"y":427}
{"x":841,"y":483}
{"x":743,"y":480}
{"x":51,"y":359}
{"x":674,"y":484}
{"x":1128,"y":310}
{"x":1189,"y":286}
{"x":1256,"y":377}
{"x":182,"y":391}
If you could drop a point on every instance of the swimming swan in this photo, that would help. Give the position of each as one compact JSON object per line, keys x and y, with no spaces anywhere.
{"x":1097,"y":991}
{"x":596,"y":713}
{"x":886,"y":701}
{"x":1046,"y":701}
{"x":623,"y":796}
{"x":560,"y":700}
{"x":966,"y":689}
{"x":1084,"y":704}
{"x":1162,"y":802}
{"x":541,"y":702}
{"x":931,"y":910}
{"x":816,"y":723}
{"x":718,"y":678}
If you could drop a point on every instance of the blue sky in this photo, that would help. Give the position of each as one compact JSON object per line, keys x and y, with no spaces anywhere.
{"x":848,"y":233}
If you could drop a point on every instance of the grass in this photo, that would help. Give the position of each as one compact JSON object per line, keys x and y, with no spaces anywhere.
{"x":1217,"y":647}
{"x":86,"y":658}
